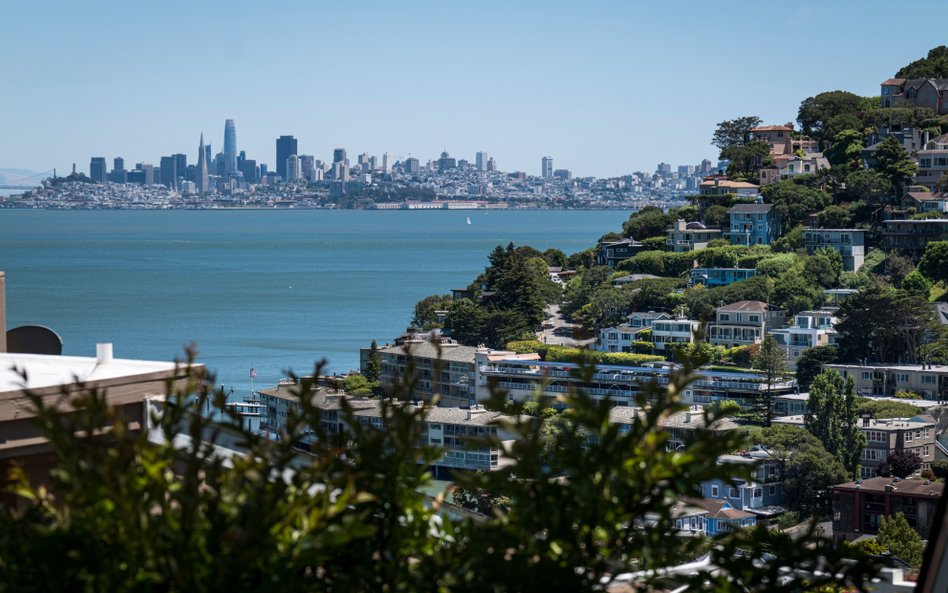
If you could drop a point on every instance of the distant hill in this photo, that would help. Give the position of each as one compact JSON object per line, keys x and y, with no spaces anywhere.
{"x":18,"y":177}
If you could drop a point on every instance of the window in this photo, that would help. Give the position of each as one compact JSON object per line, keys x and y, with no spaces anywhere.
{"x":908,"y":436}
{"x":758,"y":492}
{"x":928,"y":379}
{"x":926,"y":451}
{"x":733,"y":493}
{"x":773,"y":490}
{"x":714,"y":491}
{"x":901,"y":377}
{"x":866,"y":376}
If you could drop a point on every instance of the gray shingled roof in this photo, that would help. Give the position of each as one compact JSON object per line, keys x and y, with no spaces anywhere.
{"x":449,"y":352}
{"x":750,"y":208}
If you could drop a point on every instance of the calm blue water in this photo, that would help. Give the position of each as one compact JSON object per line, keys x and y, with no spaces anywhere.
{"x":267,"y":289}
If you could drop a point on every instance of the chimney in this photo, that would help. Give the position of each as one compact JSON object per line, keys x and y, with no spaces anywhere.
{"x":3,"y":313}
{"x":103,"y":353}
{"x":474,"y":410}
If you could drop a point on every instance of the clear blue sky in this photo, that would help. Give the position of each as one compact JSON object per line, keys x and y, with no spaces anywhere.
{"x":605,"y":88}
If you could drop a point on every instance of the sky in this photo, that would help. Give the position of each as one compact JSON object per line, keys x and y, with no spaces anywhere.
{"x":605,"y":88}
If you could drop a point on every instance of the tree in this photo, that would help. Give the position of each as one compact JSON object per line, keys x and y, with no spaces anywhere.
{"x":794,"y":202}
{"x":917,"y":284}
{"x":895,"y":163}
{"x":770,"y":359}
{"x":734,"y":131}
{"x":824,"y":267}
{"x":130,"y":514}
{"x":795,"y":292}
{"x":811,"y":361}
{"x":900,"y":539}
{"x":555,"y":258}
{"x":816,"y":112}
{"x":836,"y":217}
{"x":934,"y":262}
{"x":869,"y":185}
{"x":425,"y":316}
{"x":373,"y":366}
{"x":900,"y":464}
{"x":934,"y":65}
{"x":883,"y":324}
{"x":466,"y":321}
{"x":746,"y":159}
{"x":846,"y":150}
{"x":650,"y":221}
{"x":809,"y":470}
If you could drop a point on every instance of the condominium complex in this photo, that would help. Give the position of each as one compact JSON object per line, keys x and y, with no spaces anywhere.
{"x":452,"y":429}
{"x":443,"y":368}
{"x":928,"y":381}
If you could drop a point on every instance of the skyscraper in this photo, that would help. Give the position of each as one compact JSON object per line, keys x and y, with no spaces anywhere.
{"x":293,"y":169}
{"x":180,"y":165}
{"x":230,"y":148}
{"x":339,"y":155}
{"x":169,"y":172}
{"x":386,"y":163}
{"x":546,"y":167}
{"x":481,"y":161}
{"x":202,"y":182}
{"x":97,"y":169}
{"x":285,"y":146}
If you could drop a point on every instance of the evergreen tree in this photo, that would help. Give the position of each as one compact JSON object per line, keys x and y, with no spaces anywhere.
{"x":900,"y":539}
{"x":770,"y":359}
{"x":373,"y":366}
{"x":896,"y":164}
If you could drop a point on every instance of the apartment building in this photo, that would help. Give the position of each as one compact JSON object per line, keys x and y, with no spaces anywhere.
{"x":679,"y":426}
{"x":929,"y":381}
{"x":449,"y":428}
{"x":886,"y":436}
{"x":858,"y":507}
{"x":442,"y":368}
{"x":524,"y":376}
{"x":809,"y":329}
{"x":127,"y":384}
{"x":932,"y":161}
{"x":914,"y":235}
{"x":849,"y":243}
{"x":754,"y":224}
{"x":688,"y":236}
{"x":743,"y":323}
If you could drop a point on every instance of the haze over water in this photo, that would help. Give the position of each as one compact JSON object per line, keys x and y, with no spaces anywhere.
{"x":269,"y":289}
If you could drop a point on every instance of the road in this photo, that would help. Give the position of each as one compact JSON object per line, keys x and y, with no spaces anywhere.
{"x":557,"y":330}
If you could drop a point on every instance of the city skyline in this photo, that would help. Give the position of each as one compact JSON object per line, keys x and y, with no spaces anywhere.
{"x":604,"y":91}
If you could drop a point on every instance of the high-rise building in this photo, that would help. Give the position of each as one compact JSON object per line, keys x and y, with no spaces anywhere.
{"x":285,"y":146}
{"x":339,"y":155}
{"x":446,"y":163}
{"x":180,"y":164}
{"x":386,"y":163}
{"x":97,"y":169}
{"x":412,"y":166}
{"x":201,"y":181}
{"x":293,"y":170}
{"x":481,"y":161}
{"x":307,"y":166}
{"x":169,"y":172}
{"x":230,"y":147}
{"x":705,"y":167}
{"x":364,"y":160}
{"x":491,"y":165}
{"x":118,"y":164}
{"x":249,"y":168}
{"x":664,"y":169}
{"x":546,"y":167}
{"x":149,"y":172}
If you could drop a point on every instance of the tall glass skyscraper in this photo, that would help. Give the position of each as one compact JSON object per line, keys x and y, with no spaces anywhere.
{"x":230,"y":147}
{"x":285,"y":146}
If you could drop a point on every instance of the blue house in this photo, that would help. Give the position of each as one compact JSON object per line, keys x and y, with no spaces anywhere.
{"x":715,"y":516}
{"x":711,"y":277}
{"x":754,"y":224}
{"x":762,"y":495}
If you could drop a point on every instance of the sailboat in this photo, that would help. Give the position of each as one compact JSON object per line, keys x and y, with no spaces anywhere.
{"x":468,"y":220}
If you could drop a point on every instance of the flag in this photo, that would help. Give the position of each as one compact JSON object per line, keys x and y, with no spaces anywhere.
{"x":253,"y":374}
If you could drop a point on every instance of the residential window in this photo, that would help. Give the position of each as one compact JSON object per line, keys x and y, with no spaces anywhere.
{"x":926,"y":451}
{"x":908,"y":436}
{"x":733,"y":493}
{"x":928,"y":379}
{"x":773,"y":489}
{"x":866,"y":376}
{"x":758,"y":492}
{"x":901,"y":377}
{"x":714,"y":491}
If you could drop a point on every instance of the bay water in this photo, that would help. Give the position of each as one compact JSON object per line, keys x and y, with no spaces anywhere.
{"x":272,"y":290}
